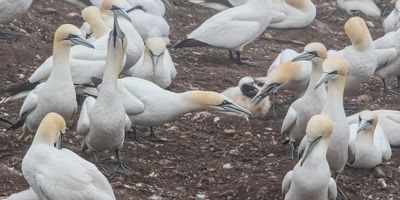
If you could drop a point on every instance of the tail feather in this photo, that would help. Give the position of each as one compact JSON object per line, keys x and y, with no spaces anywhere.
{"x":25,"y":86}
{"x":18,"y":124}
{"x":190,"y":43}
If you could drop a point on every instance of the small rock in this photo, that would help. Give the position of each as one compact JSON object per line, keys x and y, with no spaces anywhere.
{"x":227,"y":166}
{"x":50,"y":10}
{"x":382,"y":182}
{"x":153,"y":174}
{"x":216,"y":119}
{"x":378,"y":172}
{"x":248,"y":134}
{"x":229,"y":131}
{"x":164,"y":161}
{"x":364,"y":98}
{"x":72,"y":15}
{"x":370,"y":24}
{"x":201,"y":196}
{"x":270,"y":155}
{"x":155,"y":197}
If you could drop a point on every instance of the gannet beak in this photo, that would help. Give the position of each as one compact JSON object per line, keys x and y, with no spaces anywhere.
{"x":79,"y":41}
{"x":117,"y":32}
{"x":154,"y":59}
{"x":88,"y":35}
{"x":59,"y":141}
{"x":168,"y":5}
{"x":326,"y":76}
{"x":230,"y":107}
{"x":249,"y":90}
{"x":310,"y":146}
{"x":265,"y":91}
{"x":120,"y":12}
{"x":364,"y":124}
{"x":306,"y":55}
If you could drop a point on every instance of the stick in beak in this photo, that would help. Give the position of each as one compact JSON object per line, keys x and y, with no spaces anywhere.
{"x":310,"y":146}
{"x":120,"y":12}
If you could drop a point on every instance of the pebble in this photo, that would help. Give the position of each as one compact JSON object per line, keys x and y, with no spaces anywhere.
{"x":378,"y":172}
{"x":383,"y":183}
{"x":229,"y":131}
{"x":227,"y":166}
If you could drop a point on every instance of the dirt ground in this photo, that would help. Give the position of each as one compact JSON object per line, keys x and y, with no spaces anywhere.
{"x":192,"y":167}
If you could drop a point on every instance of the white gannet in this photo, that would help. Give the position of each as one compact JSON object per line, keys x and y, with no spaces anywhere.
{"x":98,"y":28}
{"x":232,"y":29}
{"x":103,"y":121}
{"x":388,"y":46}
{"x":162,"y":106}
{"x":219,"y":4}
{"x":368,"y":145}
{"x":10,"y":10}
{"x":366,"y":6}
{"x":154,"y":7}
{"x":311,"y":103}
{"x":156,"y":64}
{"x":58,"y":93}
{"x":149,"y":25}
{"x":311,"y":178}
{"x":292,"y":14}
{"x":84,"y":62}
{"x":388,"y":121}
{"x":362,"y":58}
{"x":28,"y":194}
{"x":392,"y":21}
{"x":242,"y":95}
{"x":60,"y":173}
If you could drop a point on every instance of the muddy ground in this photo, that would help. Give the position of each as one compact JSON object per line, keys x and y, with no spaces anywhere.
{"x":192,"y":167}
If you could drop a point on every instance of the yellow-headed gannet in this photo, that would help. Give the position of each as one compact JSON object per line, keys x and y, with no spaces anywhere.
{"x":242,"y":95}
{"x":232,"y":29}
{"x":156,"y":64}
{"x":60,"y":173}
{"x":293,"y":14}
{"x":103,"y":121}
{"x":368,"y":145}
{"x":311,"y":178}
{"x":366,"y":6}
{"x":58,"y":93}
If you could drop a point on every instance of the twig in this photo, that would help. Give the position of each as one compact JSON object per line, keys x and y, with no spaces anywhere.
{"x":285,"y":40}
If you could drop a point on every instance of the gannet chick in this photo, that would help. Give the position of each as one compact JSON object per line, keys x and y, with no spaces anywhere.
{"x":242,"y":95}
{"x":103,"y":121}
{"x":292,"y":14}
{"x":311,"y":103}
{"x":232,"y":29}
{"x":392,"y":21}
{"x":24,"y":195}
{"x":10,"y":10}
{"x":58,"y":93}
{"x":366,"y":150}
{"x":156,"y":64}
{"x":59,"y":173}
{"x":162,"y":106}
{"x":366,"y":6}
{"x":311,"y":178}
{"x":388,"y":121}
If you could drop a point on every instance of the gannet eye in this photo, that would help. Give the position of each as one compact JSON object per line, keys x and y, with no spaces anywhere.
{"x":71,"y":36}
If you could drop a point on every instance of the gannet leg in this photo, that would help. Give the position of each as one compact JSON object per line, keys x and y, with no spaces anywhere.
{"x":122,"y":167}
{"x":386,"y":88}
{"x":274,"y":106}
{"x":341,"y":195}
{"x":97,"y":163}
{"x":241,"y":61}
{"x":290,"y":155}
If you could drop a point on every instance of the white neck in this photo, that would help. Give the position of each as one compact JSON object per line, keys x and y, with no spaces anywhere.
{"x":366,"y":135}
{"x":61,"y":69}
{"x":316,"y":73}
{"x":334,"y":99}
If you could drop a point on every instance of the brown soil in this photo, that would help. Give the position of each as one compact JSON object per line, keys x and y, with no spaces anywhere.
{"x":192,"y":166}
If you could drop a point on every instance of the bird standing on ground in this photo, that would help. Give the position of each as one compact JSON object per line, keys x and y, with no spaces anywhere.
{"x":311,"y":178}
{"x":59,"y":173}
{"x":366,"y":6}
{"x":232,"y":29}
{"x":103,"y":121}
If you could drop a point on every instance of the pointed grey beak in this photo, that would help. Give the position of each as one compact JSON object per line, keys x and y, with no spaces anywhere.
{"x":88,"y":35}
{"x":305,"y":56}
{"x":265,"y":91}
{"x":326,"y":76}
{"x":59,"y":141}
{"x":117,"y":32}
{"x":79,"y":41}
{"x":363,"y":124}
{"x":235,"y":109}
{"x":120,"y":12}
{"x":168,"y":5}
{"x":310,"y":146}
{"x":154,"y":60}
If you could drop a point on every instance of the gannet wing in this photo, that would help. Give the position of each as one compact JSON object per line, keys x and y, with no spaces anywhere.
{"x":277,"y":16}
{"x":385,"y":56}
{"x":382,"y":143}
{"x":168,"y":62}
{"x":30,"y":101}
{"x":24,"y":195}
{"x":133,"y":105}
{"x":287,"y":181}
{"x":288,"y":122}
{"x":351,"y":153}
{"x":332,"y":189}
{"x":83,"y":125}
{"x":225,"y":32}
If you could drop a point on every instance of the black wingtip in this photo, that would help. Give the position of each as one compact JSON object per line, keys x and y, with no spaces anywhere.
{"x":17,"y":125}
{"x":25,"y":86}
{"x":190,"y":43}
{"x":5,"y":123}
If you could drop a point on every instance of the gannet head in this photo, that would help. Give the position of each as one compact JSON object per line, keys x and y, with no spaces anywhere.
{"x":358,"y":32}
{"x":318,"y":127}
{"x":68,"y":34}
{"x":313,"y":51}
{"x":115,"y":7}
{"x":155,"y":48}
{"x":117,"y":42}
{"x":248,"y":86}
{"x":216,"y":101}
{"x":297,"y":3}
{"x":51,"y":130}
{"x":367,"y":120}
{"x":90,"y":13}
{"x":276,"y":78}
{"x":334,"y":68}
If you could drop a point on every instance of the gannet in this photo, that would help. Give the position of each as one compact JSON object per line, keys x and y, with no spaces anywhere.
{"x":85,"y":63}
{"x":28,"y":194}
{"x":366,"y":6}
{"x":103,"y":121}
{"x":60,"y":173}
{"x":335,"y":72}
{"x":58,"y":93}
{"x":92,"y":16}
{"x":242,"y":95}
{"x":156,"y":64}
{"x":293,"y":14}
{"x":232,"y":29}
{"x":10,"y":10}
{"x":369,"y":146}
{"x":162,"y":106}
{"x":386,"y":47}
{"x":154,"y":7}
{"x":362,"y":58}
{"x":219,"y":4}
{"x":392,"y":21}
{"x":311,"y":103}
{"x":311,"y":178}
{"x":388,"y":121}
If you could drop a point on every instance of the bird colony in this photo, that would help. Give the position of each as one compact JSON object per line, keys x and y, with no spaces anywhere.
{"x":114,"y":73}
